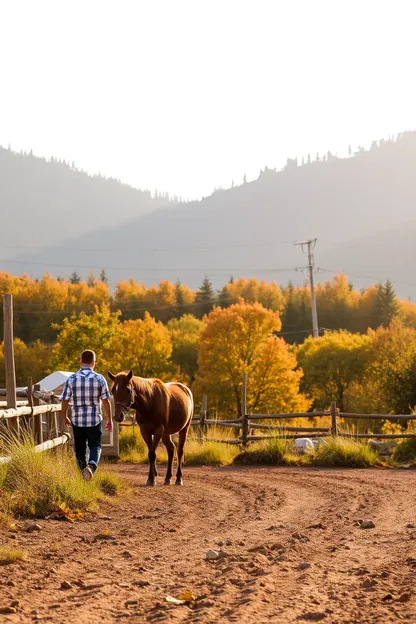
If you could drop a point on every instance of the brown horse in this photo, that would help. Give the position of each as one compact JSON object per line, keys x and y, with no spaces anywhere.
{"x":161,"y":410}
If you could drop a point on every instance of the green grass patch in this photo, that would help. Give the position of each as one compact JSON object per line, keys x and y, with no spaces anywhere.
{"x":39,"y":484}
{"x":209,"y":453}
{"x":274,"y":452}
{"x":10,"y":555}
{"x":344,"y":452}
{"x":110,"y":484}
{"x":404,"y":452}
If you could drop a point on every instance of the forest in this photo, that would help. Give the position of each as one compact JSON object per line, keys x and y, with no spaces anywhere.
{"x":364,"y":358}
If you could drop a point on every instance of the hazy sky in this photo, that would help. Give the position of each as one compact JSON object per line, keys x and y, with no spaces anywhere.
{"x":186,"y":95}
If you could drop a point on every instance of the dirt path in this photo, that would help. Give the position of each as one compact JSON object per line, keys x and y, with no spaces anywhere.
{"x":277,"y":567}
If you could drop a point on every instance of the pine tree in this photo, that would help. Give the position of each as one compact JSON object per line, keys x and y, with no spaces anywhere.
{"x":387,"y":306}
{"x":75,"y":278}
{"x":179,"y":300}
{"x":91,"y":280}
{"x":205,"y":298}
{"x":349,"y":150}
{"x":244,"y":179}
{"x":309,"y":159}
{"x":103,"y":276}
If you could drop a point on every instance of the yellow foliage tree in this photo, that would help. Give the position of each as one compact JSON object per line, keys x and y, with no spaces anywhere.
{"x":240,"y":340}
{"x":185,"y":334}
{"x":144,"y":346}
{"x":331,"y":364}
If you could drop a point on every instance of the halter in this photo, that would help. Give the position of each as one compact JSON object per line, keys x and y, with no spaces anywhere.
{"x":132,"y":399}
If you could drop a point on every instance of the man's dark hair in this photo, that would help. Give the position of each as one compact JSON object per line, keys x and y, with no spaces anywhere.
{"x":88,"y":357}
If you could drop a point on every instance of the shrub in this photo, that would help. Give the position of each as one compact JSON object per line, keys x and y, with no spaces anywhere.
{"x":405,"y":451}
{"x":347,"y":452}
{"x":278,"y":450}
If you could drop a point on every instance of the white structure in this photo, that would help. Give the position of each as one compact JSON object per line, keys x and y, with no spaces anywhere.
{"x":304,"y":445}
{"x":55,"y":383}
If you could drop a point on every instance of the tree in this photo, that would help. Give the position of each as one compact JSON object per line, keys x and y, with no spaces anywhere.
{"x":185,"y":334}
{"x":205,"y":298}
{"x":143,"y":345}
{"x":86,"y":331}
{"x":92,"y":280}
{"x":331,"y":364}
{"x":103,"y":277}
{"x":349,"y":150}
{"x":387,"y":306}
{"x":244,"y":179}
{"x":240,"y":340}
{"x":74,"y":278}
{"x":393,"y":367}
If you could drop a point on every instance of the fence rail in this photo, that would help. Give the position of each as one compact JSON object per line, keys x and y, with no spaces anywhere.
{"x":248,"y":428}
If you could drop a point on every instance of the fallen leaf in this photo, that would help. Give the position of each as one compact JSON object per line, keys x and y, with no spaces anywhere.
{"x":187,"y":596}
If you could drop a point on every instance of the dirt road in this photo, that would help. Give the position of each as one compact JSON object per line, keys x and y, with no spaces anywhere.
{"x":293,"y":551}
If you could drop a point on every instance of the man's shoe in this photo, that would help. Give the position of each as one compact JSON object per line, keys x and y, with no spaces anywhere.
{"x":87,"y":474}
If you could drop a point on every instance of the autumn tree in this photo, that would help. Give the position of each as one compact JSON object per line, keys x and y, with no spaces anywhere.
{"x":185,"y":334}
{"x":393,"y":367}
{"x":143,"y":345}
{"x":240,"y":339}
{"x":331,"y":364}
{"x":86,"y":331}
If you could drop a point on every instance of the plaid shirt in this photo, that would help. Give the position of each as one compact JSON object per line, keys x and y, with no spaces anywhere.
{"x":86,"y":389}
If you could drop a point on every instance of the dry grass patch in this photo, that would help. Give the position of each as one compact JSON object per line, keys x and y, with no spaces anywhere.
{"x":10,"y":555}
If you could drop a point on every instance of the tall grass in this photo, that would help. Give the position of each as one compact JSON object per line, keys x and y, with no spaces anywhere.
{"x":346,"y":452}
{"x":197,"y":452}
{"x":38,"y":484}
{"x":276,"y":451}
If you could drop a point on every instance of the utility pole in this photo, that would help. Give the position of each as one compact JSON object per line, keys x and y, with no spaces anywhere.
{"x":311,"y":265}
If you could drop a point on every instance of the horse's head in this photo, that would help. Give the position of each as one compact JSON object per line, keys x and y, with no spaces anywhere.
{"x":123,"y":393}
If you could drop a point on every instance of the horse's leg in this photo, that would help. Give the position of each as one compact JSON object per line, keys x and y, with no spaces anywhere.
{"x":152,"y":444}
{"x":181,"y":443}
{"x":170,"y":446}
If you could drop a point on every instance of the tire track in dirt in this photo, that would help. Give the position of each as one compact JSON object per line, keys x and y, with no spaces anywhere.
{"x":293,"y":551}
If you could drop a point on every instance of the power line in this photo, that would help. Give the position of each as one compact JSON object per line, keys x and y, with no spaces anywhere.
{"x":148,"y":270}
{"x":128,"y":249}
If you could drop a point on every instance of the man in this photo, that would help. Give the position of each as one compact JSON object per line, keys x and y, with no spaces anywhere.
{"x":88,"y":391}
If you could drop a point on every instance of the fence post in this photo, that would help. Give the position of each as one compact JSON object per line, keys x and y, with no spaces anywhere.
{"x":13,"y":423}
{"x":203,"y":416}
{"x":334,"y":426}
{"x":38,"y":420}
{"x":30,"y":422}
{"x":244,"y":416}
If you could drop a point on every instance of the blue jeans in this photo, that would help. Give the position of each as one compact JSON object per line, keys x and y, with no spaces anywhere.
{"x":91,"y":436}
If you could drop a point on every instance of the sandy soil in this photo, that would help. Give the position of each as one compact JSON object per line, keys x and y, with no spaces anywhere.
{"x":293,"y":551}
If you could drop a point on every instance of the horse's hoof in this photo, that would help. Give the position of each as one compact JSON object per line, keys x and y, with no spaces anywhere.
{"x":167,"y":482}
{"x":179,"y":482}
{"x":150,"y":483}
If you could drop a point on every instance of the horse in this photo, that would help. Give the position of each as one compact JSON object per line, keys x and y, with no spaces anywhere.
{"x":161,"y":410}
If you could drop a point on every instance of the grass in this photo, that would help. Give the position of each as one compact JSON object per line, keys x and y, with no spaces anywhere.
{"x":108,"y":483}
{"x":274,"y":452}
{"x":10,"y":555}
{"x":405,"y":451}
{"x":197,"y":453}
{"x":345,"y":452}
{"x":39,"y":484}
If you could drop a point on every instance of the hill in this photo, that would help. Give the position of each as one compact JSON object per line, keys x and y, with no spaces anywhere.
{"x":250,"y":229}
{"x":44,"y":202}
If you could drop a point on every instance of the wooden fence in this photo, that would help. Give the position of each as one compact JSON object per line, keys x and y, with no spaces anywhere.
{"x":248,"y":424}
{"x":26,"y":416}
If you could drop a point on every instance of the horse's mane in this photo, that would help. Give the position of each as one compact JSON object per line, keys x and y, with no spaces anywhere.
{"x":149,"y":387}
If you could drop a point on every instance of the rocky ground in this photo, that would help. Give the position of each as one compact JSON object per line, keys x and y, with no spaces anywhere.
{"x":287,"y":546}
